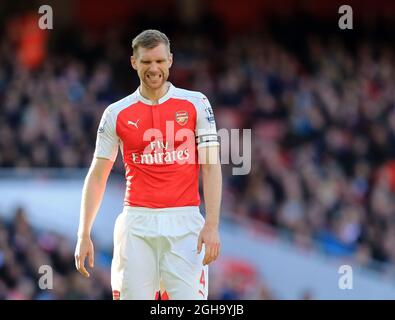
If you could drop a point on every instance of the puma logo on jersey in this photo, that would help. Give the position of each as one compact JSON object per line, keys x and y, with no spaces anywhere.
{"x":134,"y":123}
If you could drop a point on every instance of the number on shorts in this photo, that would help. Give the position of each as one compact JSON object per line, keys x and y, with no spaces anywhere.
{"x":203,"y":279}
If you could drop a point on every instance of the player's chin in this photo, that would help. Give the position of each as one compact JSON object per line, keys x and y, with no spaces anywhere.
{"x":154,"y":84}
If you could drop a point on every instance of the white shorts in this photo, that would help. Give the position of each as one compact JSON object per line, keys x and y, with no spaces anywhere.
{"x":158,"y":246}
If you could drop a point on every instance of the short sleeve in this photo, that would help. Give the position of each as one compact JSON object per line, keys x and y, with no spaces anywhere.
{"x":206,"y":131}
{"x":107,"y":141}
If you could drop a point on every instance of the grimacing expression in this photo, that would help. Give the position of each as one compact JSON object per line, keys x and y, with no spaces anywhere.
{"x":152,"y":65}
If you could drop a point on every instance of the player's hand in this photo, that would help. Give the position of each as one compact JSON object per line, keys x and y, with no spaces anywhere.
{"x":209,"y":235}
{"x":83,"y":250}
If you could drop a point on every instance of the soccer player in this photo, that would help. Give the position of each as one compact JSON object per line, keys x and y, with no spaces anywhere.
{"x":165,"y":134}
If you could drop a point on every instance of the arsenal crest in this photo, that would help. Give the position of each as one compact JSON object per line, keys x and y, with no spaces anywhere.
{"x":182,"y":117}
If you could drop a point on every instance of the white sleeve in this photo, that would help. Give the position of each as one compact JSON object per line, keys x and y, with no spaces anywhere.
{"x":206,"y":131}
{"x":107,"y":141}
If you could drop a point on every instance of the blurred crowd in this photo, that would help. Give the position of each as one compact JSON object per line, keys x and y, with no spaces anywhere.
{"x":39,"y":264}
{"x":323,"y":145}
{"x":323,"y":136}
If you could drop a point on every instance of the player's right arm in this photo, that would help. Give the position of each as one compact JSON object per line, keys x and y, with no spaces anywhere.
{"x":107,"y":144}
{"x":92,"y":195}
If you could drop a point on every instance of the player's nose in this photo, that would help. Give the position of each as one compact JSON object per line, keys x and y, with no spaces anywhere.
{"x":154,"y":68}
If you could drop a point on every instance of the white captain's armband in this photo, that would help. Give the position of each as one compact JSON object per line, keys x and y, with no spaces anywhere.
{"x":206,"y":131}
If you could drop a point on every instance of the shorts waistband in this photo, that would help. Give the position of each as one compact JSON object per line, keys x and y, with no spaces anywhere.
{"x":169,"y":210}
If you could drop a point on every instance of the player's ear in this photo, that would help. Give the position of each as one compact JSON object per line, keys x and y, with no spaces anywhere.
{"x":133,"y":62}
{"x":170,"y":59}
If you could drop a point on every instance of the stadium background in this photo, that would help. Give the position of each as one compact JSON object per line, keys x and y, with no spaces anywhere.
{"x":319,"y":100}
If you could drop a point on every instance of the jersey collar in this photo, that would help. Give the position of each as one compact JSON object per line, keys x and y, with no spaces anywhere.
{"x":166,"y":97}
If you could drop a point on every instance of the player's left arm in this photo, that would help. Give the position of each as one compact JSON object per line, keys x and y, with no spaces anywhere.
{"x":212,"y":191}
{"x":208,"y":154}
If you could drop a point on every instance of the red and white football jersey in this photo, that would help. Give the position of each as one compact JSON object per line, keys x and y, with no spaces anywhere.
{"x":158,"y":145}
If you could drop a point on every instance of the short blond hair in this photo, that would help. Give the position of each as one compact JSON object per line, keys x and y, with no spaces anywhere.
{"x":149,"y":39}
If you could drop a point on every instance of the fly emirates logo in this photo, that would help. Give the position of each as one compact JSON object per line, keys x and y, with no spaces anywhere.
{"x":157,"y":152}
{"x":168,"y":147}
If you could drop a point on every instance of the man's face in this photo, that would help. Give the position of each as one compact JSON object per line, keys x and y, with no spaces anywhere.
{"x":152,"y":65}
